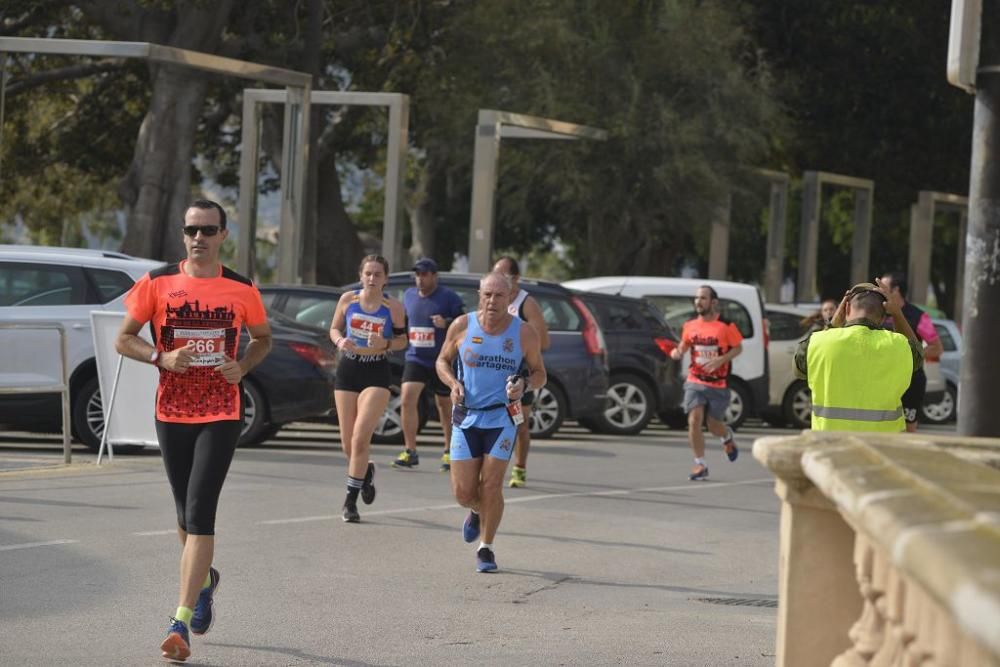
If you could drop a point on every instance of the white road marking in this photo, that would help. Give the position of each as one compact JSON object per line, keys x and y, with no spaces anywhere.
{"x":690,"y":486}
{"x":30,"y":545}
{"x":157,"y":532}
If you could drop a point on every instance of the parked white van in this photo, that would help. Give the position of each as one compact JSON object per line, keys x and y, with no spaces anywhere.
{"x":741,"y":304}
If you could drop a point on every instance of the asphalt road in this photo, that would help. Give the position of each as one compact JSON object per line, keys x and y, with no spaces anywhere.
{"x":609,"y":556}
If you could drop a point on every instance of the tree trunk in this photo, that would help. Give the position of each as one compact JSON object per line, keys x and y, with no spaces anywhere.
{"x":420,"y":213}
{"x":338,"y":248}
{"x":157,"y":188}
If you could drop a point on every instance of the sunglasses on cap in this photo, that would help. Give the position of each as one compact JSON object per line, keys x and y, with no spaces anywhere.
{"x":206,"y":230}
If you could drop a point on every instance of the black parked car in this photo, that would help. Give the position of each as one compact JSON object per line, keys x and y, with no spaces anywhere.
{"x":313,"y":306}
{"x":293,"y":383}
{"x":644,"y":381}
{"x":576,"y":361}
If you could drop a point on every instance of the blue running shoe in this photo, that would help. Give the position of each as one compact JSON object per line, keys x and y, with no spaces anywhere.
{"x":729,"y":446}
{"x":470,"y":529}
{"x":177,"y":645}
{"x":700,"y":471}
{"x":201,"y":621}
{"x":485,"y":560}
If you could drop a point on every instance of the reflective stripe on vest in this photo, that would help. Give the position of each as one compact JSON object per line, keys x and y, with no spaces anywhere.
{"x":857,"y":414}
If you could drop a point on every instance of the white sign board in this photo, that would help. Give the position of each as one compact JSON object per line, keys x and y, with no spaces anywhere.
{"x":128,"y":393}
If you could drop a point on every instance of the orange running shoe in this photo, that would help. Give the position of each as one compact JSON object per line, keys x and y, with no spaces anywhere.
{"x":177,"y":645}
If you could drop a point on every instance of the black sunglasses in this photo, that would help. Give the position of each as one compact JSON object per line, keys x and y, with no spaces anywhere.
{"x":206,"y":230}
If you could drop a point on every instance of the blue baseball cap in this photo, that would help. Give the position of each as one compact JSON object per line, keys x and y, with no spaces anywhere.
{"x":425,"y":265}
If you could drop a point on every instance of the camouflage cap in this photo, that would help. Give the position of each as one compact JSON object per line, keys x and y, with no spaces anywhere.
{"x":861,"y":288}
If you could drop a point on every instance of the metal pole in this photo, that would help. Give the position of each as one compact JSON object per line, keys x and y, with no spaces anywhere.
{"x":66,"y":429}
{"x":3,"y":103}
{"x":246,"y":262}
{"x":977,"y":407}
{"x":484,"y":185}
{"x":963,"y":227}
{"x":107,"y":414}
{"x":918,"y":269}
{"x":718,"y":251}
{"x":292,"y":209}
{"x":774,"y":271}
{"x":805,"y":290}
{"x":861,"y":243}
{"x":392,"y":220}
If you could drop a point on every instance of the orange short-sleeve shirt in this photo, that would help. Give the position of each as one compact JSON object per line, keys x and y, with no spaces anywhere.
{"x":205,"y":315}
{"x":709,"y":339}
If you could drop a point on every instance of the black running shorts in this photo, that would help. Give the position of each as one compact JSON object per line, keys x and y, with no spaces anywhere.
{"x":356,"y":375}
{"x":414,"y":372}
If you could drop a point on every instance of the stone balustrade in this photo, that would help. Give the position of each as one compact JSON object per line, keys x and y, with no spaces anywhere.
{"x":890,"y":549}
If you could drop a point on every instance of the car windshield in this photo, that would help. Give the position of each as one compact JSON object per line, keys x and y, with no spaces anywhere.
{"x":317,"y":315}
{"x":679,"y":309}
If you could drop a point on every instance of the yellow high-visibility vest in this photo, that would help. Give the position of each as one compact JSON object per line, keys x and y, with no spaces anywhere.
{"x":857,"y":376}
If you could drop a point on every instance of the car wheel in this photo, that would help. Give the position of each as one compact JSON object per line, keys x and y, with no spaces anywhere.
{"x":630,"y":406}
{"x":547,"y":413}
{"x":389,"y":430}
{"x":942,"y":411}
{"x":87,"y":415}
{"x":797,"y":406}
{"x":739,"y":405}
{"x":255,"y":424}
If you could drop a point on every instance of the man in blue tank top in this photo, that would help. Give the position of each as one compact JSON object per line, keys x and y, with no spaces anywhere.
{"x":430,"y":309}
{"x":486,"y":391}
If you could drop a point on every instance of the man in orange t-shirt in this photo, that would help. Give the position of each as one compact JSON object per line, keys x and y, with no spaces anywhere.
{"x":195,"y":310}
{"x":714,"y":343}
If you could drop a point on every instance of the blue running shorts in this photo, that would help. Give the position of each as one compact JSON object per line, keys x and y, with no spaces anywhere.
{"x":472,"y":442}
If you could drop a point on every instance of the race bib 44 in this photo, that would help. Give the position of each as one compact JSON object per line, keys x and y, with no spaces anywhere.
{"x":362,"y":324}
{"x":207,"y":345}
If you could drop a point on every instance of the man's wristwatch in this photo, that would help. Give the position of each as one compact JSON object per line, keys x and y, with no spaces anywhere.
{"x":155,"y":357}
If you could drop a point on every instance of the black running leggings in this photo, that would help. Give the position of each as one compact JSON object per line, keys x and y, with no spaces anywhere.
{"x":197,"y":458}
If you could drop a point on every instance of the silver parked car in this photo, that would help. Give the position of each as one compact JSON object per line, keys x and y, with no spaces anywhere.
{"x":946,"y":407}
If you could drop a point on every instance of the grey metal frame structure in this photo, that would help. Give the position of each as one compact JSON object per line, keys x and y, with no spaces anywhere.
{"x":718,"y":253}
{"x":491,"y":127}
{"x":62,"y":388}
{"x":289,"y":239}
{"x":864,"y":194}
{"x":718,"y":245}
{"x":777,"y":224}
{"x":298,"y":88}
{"x":922,"y":216}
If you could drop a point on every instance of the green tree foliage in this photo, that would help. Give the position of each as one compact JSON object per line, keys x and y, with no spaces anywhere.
{"x":63,"y":147}
{"x":678,"y":86}
{"x":864,"y":87}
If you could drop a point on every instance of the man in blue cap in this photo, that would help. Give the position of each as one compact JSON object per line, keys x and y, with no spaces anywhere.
{"x":430,"y":308}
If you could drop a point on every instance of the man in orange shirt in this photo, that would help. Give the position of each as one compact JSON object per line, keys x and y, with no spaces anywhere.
{"x":714,"y":343}
{"x":195,"y":310}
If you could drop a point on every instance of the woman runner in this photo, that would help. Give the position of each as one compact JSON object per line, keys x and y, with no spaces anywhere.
{"x":366,"y":325}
